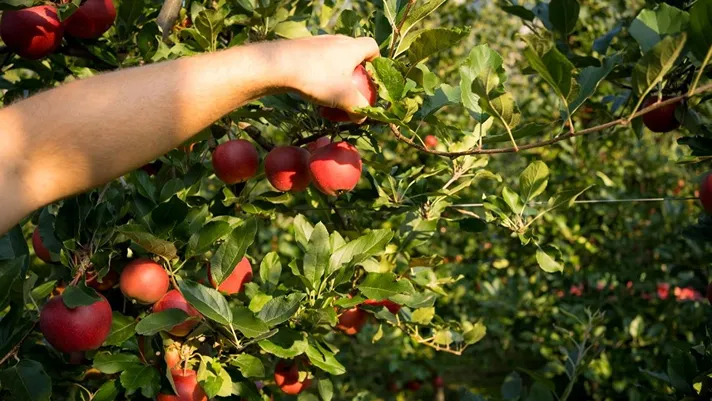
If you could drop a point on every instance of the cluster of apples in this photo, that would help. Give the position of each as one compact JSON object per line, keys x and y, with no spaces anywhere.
{"x":35,"y":32}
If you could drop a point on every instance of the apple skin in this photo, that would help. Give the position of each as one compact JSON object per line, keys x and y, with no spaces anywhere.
{"x":235,"y":283}
{"x":92,"y":19}
{"x":431,"y":141}
{"x":351,"y":321}
{"x":83,"y":328}
{"x":286,"y":375}
{"x":32,"y":32}
{"x":235,"y":161}
{"x":287,"y":168}
{"x":335,"y":168}
{"x":40,"y":250}
{"x":174,"y":300}
{"x":172,"y":358}
{"x":363,"y":82}
{"x":392,"y":307}
{"x":319,"y":143}
{"x":187,"y":387}
{"x":705,"y":195}
{"x":144,"y":281}
{"x":107,"y":282}
{"x":663,"y":119}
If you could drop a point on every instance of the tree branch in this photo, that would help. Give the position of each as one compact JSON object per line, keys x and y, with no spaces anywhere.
{"x":256,"y":135}
{"x":621,"y":121}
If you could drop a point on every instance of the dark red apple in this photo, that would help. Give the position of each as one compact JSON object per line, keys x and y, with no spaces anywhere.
{"x":431,"y":141}
{"x":40,"y":250}
{"x":351,"y":321}
{"x":107,"y":282}
{"x":144,"y":281}
{"x":661,"y":119}
{"x":83,"y":328}
{"x":319,"y":143}
{"x":174,"y":300}
{"x":152,"y":168}
{"x":286,"y":375}
{"x":32,"y":32}
{"x":709,"y":292}
{"x":287,"y":168}
{"x":392,"y":307}
{"x":705,"y":195}
{"x":235,"y":161}
{"x":187,"y":387}
{"x":414,"y":385}
{"x":92,"y":19}
{"x":241,"y":275}
{"x":363,"y":82}
{"x":335,"y":168}
{"x":438,"y":382}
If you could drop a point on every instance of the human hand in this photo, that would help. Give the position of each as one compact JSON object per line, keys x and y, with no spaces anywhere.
{"x":320,"y":68}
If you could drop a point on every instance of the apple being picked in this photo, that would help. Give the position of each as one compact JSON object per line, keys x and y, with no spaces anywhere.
{"x":363,"y":82}
{"x":32,"y":32}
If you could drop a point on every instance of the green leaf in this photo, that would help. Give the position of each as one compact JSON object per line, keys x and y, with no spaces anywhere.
{"x":590,"y":77}
{"x":552,"y":66}
{"x":231,"y":252}
{"x":49,"y":240}
{"x":701,"y":28}
{"x":122,"y":329}
{"x":161,"y":321}
{"x":302,"y":230}
{"x":547,"y":263}
{"x":539,"y":392}
{"x":654,"y":64}
{"x":360,"y":249}
{"x":390,"y":10}
{"x":521,"y":12}
{"x":326,"y":389}
{"x":565,"y":198}
{"x":141,"y":377}
{"x":426,"y":42}
{"x":473,"y":333}
{"x":210,"y":23}
{"x":389,"y":79}
{"x":16,"y":4}
{"x":379,"y":286}
{"x":533,"y":181}
{"x":170,"y":213}
{"x":445,"y":95}
{"x":9,"y":274}
{"x":511,"y":387}
{"x":324,"y":359}
{"x":563,"y":15}
{"x":13,"y":245}
{"x":249,"y":365}
{"x":206,"y":238}
{"x":347,"y":302}
{"x":115,"y":363}
{"x":246,"y":323}
{"x":40,"y":292}
{"x":27,"y":381}
{"x":316,"y":259}
{"x":270,"y":270}
{"x":287,"y":343}
{"x":423,"y":315}
{"x":682,"y":369}
{"x":418,"y":13}
{"x":512,"y":200}
{"x":292,"y":29}
{"x":208,"y":301}
{"x":148,"y":241}
{"x":480,"y":58}
{"x":472,"y":225}
{"x":107,"y":392}
{"x":601,"y":44}
{"x":280,"y":309}
{"x":79,"y":295}
{"x":650,"y":26}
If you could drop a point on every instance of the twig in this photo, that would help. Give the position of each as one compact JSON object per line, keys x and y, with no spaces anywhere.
{"x":702,"y":70}
{"x":256,"y":135}
{"x":621,"y":121}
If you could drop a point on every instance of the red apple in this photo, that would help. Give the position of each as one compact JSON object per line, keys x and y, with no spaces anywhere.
{"x":438,"y":382}
{"x":392,"y":307}
{"x":661,"y":119}
{"x":174,"y":300}
{"x":40,"y":250}
{"x":241,"y":275}
{"x":286,"y":375}
{"x":393,"y":387}
{"x":144,"y":281}
{"x":431,"y":141}
{"x":172,"y":357}
{"x":32,"y":32}
{"x":107,"y":282}
{"x":235,"y":161}
{"x":72,"y":330}
{"x":92,"y":19}
{"x":363,"y":82}
{"x":705,"y":195}
{"x":187,"y":387}
{"x":351,"y":321}
{"x":335,"y":168}
{"x":319,"y":143}
{"x":287,"y":168}
{"x":709,"y":292}
{"x":414,"y":385}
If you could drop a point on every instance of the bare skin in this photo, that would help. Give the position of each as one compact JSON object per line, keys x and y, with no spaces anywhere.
{"x":83,"y":134}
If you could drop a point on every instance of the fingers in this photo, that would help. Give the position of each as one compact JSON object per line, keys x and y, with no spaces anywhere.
{"x":367,"y":48}
{"x":354,"y":100}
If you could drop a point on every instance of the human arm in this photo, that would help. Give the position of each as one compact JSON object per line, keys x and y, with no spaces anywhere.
{"x":88,"y":132}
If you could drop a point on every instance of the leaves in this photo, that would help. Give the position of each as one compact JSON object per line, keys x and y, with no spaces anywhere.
{"x":148,"y":241}
{"x":379,"y":286}
{"x":161,"y":321}
{"x":292,"y":29}
{"x":590,"y":78}
{"x":390,"y":81}
{"x":650,"y":26}
{"x":360,"y":249}
{"x":316,"y":259}
{"x":208,"y":301}
{"x":656,"y":63}
{"x":488,"y":83}
{"x":270,"y":270}
{"x":27,"y":381}
{"x":700,"y":29}
{"x":547,"y":263}
{"x":115,"y":363}
{"x":143,"y":377}
{"x":208,"y":235}
{"x":424,"y":43}
{"x":324,"y":359}
{"x":249,"y":365}
{"x":246,"y":323}
{"x":326,"y":389}
{"x":563,"y":15}
{"x":533,"y":180}
{"x":552,"y":66}
{"x":418,"y":13}
{"x":280,"y":309}
{"x":79,"y":295}
{"x":231,"y":252}
{"x":122,"y":328}
{"x":423,"y":315}
{"x":287,"y":343}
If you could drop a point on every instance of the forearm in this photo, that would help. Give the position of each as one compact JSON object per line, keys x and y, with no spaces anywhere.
{"x":88,"y":132}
